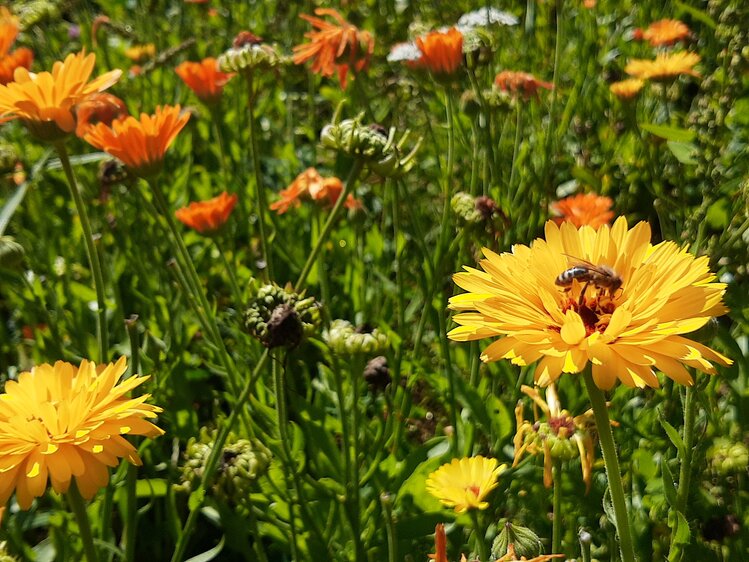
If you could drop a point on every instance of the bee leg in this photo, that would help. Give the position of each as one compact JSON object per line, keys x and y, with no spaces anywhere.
{"x":582,"y":295}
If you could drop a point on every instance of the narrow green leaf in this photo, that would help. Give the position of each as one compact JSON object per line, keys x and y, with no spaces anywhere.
{"x":669,"y":489}
{"x":608,"y":508}
{"x":683,"y":151}
{"x":196,"y":499}
{"x":697,"y":14}
{"x":673,"y":435}
{"x":208,"y":555}
{"x":668,"y":133}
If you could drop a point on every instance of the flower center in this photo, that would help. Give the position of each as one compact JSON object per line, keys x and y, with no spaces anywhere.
{"x":475,"y":490}
{"x":562,"y":424}
{"x":595,"y":308}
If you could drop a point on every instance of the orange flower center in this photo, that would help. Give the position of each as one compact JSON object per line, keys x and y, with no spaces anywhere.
{"x":566,"y":422}
{"x":595,"y":311}
{"x":475,"y":490}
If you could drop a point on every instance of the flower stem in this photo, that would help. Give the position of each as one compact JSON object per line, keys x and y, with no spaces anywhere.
{"x":685,"y":470}
{"x":236,"y":291}
{"x":91,"y":253}
{"x":350,"y":181}
{"x":613,"y":474}
{"x":480,"y":536}
{"x":77,"y":504}
{"x":556,"y":529}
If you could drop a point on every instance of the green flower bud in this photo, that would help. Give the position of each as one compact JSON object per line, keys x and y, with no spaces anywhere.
{"x":526,"y":542}
{"x":727,"y":457}
{"x":344,"y":339}
{"x":249,"y":57}
{"x":464,"y":207}
{"x":278,"y":317}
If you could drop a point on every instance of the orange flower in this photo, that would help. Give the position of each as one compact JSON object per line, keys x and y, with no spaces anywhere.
{"x":627,"y":89}
{"x":98,"y":108}
{"x":584,"y":208}
{"x":333,"y":44}
{"x":666,"y":66}
{"x":311,"y":185}
{"x":22,"y":57}
{"x":664,"y":32}
{"x":140,"y":144}
{"x":204,"y":78}
{"x":440,"y":544}
{"x":209,"y":216}
{"x":441,"y":52}
{"x":45,"y":102}
{"x":520,"y":83}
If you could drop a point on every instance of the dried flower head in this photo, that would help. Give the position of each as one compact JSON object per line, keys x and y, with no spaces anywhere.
{"x":626,"y":333}
{"x":61,"y":421}
{"x":334,"y":47}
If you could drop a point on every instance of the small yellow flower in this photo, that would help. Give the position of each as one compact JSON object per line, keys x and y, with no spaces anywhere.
{"x":464,"y":483}
{"x":141,"y":53}
{"x":627,"y":89}
{"x":61,"y":421}
{"x":666,"y":66}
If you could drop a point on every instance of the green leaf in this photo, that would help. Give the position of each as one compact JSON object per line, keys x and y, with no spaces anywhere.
{"x":208,"y":554}
{"x":719,"y":214}
{"x":673,"y":435}
{"x":668,"y":133}
{"x":682,"y":533}
{"x":699,"y":15}
{"x":608,"y":508}
{"x":413,"y":492}
{"x":683,"y":151}
{"x":669,"y":489}
{"x":196,"y":499}
{"x":151,"y":488}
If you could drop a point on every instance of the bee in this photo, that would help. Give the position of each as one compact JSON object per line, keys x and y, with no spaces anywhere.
{"x":600,"y":276}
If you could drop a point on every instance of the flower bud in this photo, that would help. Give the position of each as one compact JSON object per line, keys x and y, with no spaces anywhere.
{"x":278,"y":317}
{"x":727,"y":457}
{"x":344,"y":339}
{"x":248,"y":57}
{"x":526,"y":542}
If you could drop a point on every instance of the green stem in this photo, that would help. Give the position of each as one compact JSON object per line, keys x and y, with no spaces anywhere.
{"x":357,"y":366}
{"x":685,"y":470}
{"x":129,"y":532}
{"x":556,"y":529}
{"x":262,"y":207}
{"x":91,"y":254}
{"x":77,"y":504}
{"x":613,"y":474}
{"x":515,"y":151}
{"x":347,"y":188}
{"x":387,"y":509}
{"x":236,"y":291}
{"x":479,"y":533}
{"x":215,"y":118}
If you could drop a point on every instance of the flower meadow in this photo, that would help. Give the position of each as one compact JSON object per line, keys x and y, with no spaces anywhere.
{"x":374,"y":281}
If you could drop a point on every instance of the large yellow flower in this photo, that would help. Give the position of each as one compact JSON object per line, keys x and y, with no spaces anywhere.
{"x":60,"y":421}
{"x":626,"y":334}
{"x":666,"y":66}
{"x":464,"y":483}
{"x":45,"y":102}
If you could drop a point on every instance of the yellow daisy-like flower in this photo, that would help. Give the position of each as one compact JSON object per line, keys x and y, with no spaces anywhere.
{"x":627,"y":89}
{"x":45,"y":102}
{"x":666,"y":66}
{"x":566,"y":321}
{"x":464,"y":483}
{"x":61,"y":421}
{"x":665,"y":32}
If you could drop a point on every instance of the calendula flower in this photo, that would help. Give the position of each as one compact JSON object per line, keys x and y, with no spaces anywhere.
{"x":465,"y":483}
{"x":627,"y":89}
{"x":520,"y":84}
{"x":311,"y":185}
{"x":9,"y":61}
{"x":209,"y":216}
{"x":666,"y":66}
{"x":584,"y":208}
{"x":558,"y":436}
{"x":141,"y":53}
{"x":621,"y":304}
{"x":45,"y":102}
{"x":334,"y":47}
{"x":441,"y":51}
{"x":140,"y":143}
{"x":664,"y":32}
{"x":98,"y":108}
{"x":61,"y":421}
{"x":204,"y":79}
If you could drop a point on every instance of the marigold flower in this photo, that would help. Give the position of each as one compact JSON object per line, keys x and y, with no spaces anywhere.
{"x":98,"y":108}
{"x":61,"y":421}
{"x":140,"y":144}
{"x":441,"y":51}
{"x":464,"y":483}
{"x":584,"y":208}
{"x":141,"y":53}
{"x":22,"y":57}
{"x":45,"y":101}
{"x":520,"y":83}
{"x":664,"y":32}
{"x":340,"y":47}
{"x":627,"y":89}
{"x":666,"y":66}
{"x":626,"y":334}
{"x":204,"y":79}
{"x":209,"y":216}
{"x":311,"y":185}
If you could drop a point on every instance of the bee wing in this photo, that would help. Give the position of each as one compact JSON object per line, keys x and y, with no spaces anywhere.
{"x":580,"y":262}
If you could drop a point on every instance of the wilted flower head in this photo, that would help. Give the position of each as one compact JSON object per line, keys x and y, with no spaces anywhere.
{"x":45,"y":102}
{"x":664,"y":32}
{"x":248,"y":53}
{"x":311,"y":185}
{"x":441,"y":51}
{"x":584,"y":208}
{"x":9,"y":61}
{"x":140,"y":143}
{"x":465,"y":483}
{"x":520,"y":84}
{"x":665,"y":67}
{"x":204,"y":79}
{"x":567,"y":321}
{"x":334,"y":47}
{"x":98,"y":108}
{"x":61,"y":421}
{"x":627,"y":89}
{"x":279,"y":317}
{"x":207,"y":217}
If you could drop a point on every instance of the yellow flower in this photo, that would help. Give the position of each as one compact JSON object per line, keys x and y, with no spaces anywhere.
{"x":61,"y":421}
{"x":626,"y":334}
{"x":664,"y":32}
{"x":45,"y":102}
{"x":627,"y":89}
{"x":464,"y":483}
{"x":666,"y":66}
{"x":141,"y":53}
